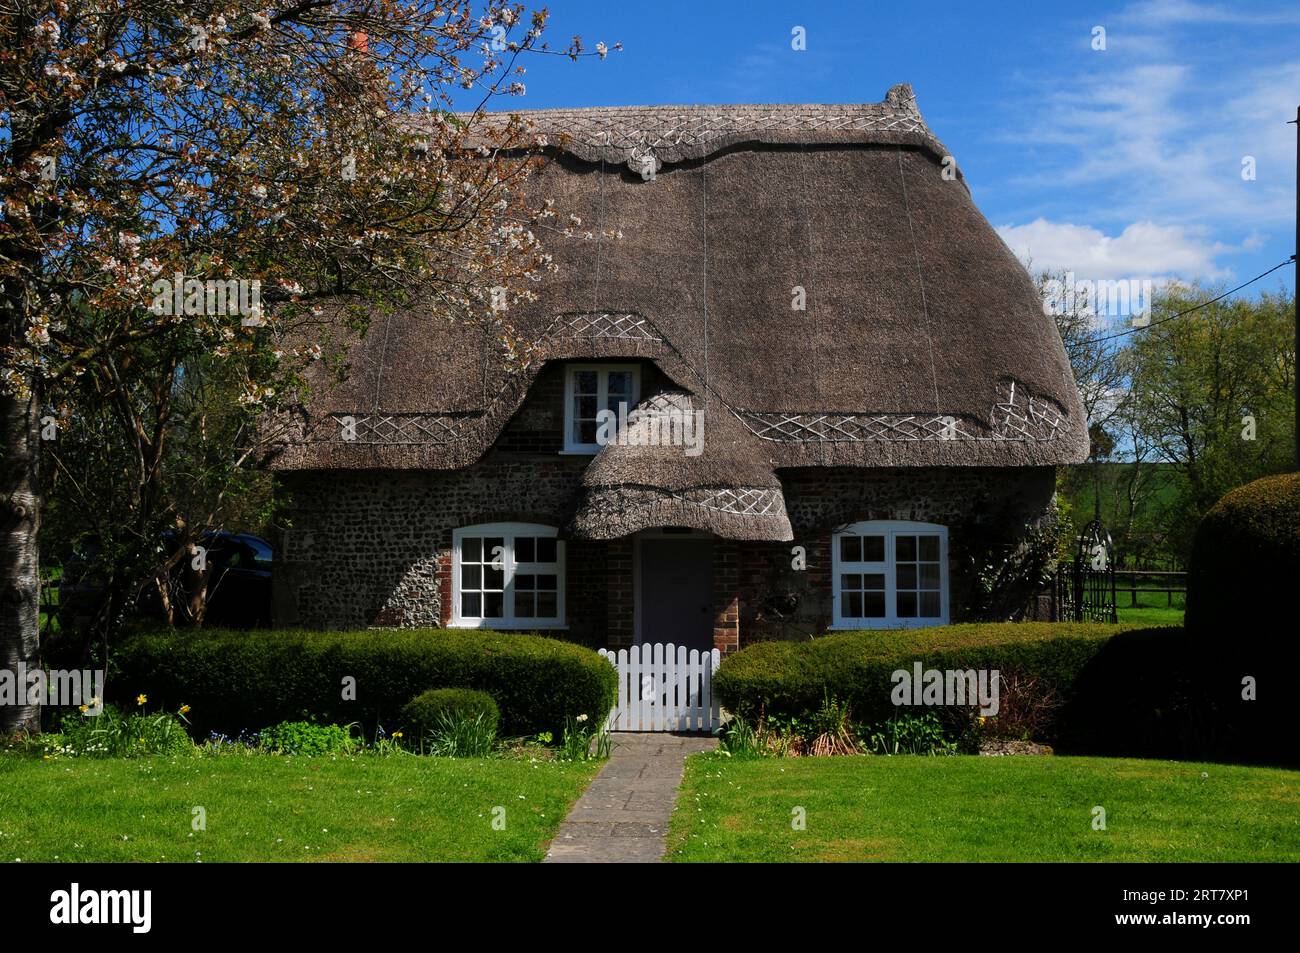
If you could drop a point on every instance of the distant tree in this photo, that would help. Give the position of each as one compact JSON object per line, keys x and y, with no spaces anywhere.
{"x":1213,"y":394}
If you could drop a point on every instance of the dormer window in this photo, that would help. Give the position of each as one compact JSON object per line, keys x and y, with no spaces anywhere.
{"x":589,"y":389}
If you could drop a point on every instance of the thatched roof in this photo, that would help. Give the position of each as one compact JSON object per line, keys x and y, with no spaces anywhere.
{"x":922,"y":342}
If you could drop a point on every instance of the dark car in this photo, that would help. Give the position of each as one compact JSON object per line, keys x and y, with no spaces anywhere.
{"x":239,"y":583}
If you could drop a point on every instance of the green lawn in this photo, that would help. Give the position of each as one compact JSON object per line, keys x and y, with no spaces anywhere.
{"x":1151,"y":615}
{"x":279,"y":808}
{"x":983,"y":809}
{"x":1153,"y":608}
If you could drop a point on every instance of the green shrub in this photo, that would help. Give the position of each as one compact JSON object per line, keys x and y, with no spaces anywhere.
{"x":305,"y":737}
{"x":792,"y":679}
{"x":422,"y":715}
{"x":241,"y":680}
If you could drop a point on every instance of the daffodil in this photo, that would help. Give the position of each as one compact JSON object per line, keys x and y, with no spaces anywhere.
{"x":141,"y":699}
{"x":184,"y":709}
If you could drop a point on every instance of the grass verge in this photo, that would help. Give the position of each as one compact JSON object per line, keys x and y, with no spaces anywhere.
{"x":282,"y":808}
{"x":983,"y":809}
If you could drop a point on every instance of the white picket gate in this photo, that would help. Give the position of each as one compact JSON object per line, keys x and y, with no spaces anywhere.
{"x":664,"y":688}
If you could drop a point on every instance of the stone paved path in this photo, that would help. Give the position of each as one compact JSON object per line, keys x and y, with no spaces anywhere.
{"x":622,"y":817}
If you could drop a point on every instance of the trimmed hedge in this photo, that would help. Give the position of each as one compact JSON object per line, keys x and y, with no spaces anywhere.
{"x":237,"y":681}
{"x":422,"y":713}
{"x":792,"y":678}
{"x":1113,"y":690}
{"x":1245,"y":560}
{"x":1244,"y":569}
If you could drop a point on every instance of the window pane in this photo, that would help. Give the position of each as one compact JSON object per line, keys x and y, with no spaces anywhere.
{"x":929,"y":575}
{"x":523,"y":605}
{"x":471,"y":549}
{"x":470,"y":604}
{"x":851,"y":549}
{"x":874,"y":580}
{"x":585,"y":382}
{"x":492,"y":603}
{"x":547,"y":582}
{"x":525,"y":582}
{"x":523,"y":549}
{"x":546,"y":605}
{"x":906,"y":605}
{"x":620,"y":384}
{"x":905,"y":548}
{"x":852,"y":602}
{"x":471,"y":577}
{"x":851,"y":581}
{"x":546,"y":549}
{"x":874,"y":605}
{"x":930,"y":605}
{"x":493,"y":578}
{"x":930,"y":548}
{"x":585,"y":408}
{"x":873,"y":549}
{"x":494,"y":550}
{"x":586,"y":431}
{"x":907,"y":575}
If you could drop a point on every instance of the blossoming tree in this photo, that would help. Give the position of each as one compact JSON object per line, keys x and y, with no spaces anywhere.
{"x":198,"y":178}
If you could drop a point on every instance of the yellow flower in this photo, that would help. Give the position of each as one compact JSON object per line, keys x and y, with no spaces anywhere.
{"x":184,"y":709}
{"x":141,"y":699}
{"x":982,"y":719}
{"x":85,"y":708}
{"x":397,"y":734}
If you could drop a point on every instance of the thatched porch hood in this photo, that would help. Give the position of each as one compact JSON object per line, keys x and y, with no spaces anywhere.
{"x":922,"y":341}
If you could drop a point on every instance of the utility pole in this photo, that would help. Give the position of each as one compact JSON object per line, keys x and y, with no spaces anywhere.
{"x":1295,"y":288}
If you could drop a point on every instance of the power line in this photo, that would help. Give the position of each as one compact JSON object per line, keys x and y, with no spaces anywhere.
{"x":1203,"y":304}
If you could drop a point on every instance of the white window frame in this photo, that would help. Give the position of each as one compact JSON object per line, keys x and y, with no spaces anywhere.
{"x":511,"y":567}
{"x":602,"y":396}
{"x":890,"y":529}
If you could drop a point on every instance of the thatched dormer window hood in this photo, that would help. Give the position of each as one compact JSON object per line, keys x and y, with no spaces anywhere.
{"x":860,"y":342}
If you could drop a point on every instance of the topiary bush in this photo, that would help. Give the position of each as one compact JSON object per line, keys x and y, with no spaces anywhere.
{"x":423,"y":714}
{"x":236,"y":681}
{"x":1244,"y":567}
{"x":1245,"y":562}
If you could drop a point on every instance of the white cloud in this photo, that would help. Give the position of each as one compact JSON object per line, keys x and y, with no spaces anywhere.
{"x":1141,"y":250}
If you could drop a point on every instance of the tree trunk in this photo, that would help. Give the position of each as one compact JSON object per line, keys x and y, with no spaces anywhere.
{"x":19,"y":564}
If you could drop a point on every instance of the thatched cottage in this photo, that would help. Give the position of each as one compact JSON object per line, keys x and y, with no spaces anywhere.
{"x":883,"y":400}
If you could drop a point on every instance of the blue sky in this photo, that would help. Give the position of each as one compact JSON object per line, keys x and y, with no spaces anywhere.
{"x":1117,"y":163}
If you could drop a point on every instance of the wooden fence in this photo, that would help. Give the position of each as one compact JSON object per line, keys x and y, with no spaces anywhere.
{"x":664,"y":688}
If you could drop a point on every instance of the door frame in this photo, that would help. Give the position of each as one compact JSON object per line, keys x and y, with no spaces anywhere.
{"x":659,"y":532}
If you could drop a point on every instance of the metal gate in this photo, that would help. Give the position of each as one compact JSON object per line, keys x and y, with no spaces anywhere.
{"x":1086,"y":591}
{"x":664,"y":688}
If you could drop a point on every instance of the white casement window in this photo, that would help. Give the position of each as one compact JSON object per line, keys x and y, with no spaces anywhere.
{"x":589,"y":389}
{"x":507,"y":576}
{"x":890,"y":574}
